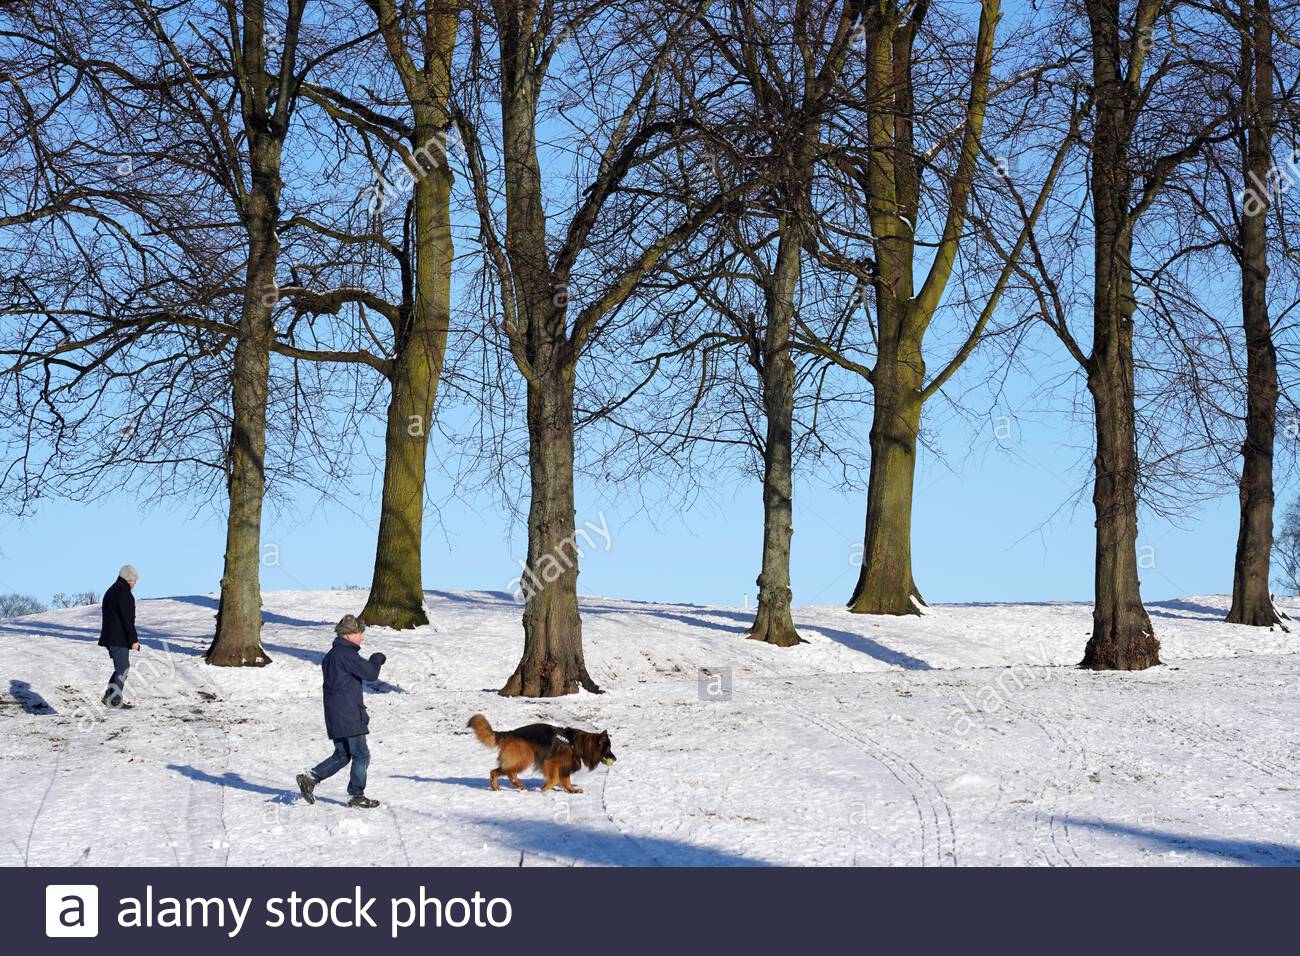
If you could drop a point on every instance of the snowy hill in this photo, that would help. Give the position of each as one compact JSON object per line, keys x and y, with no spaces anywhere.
{"x":963,"y":737}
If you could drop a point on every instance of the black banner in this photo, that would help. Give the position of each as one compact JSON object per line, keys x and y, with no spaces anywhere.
{"x":622,"y":911}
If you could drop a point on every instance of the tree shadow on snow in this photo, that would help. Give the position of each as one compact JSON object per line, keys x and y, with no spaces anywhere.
{"x":236,"y":782}
{"x":590,"y":605}
{"x":695,"y":621}
{"x":157,"y":640}
{"x":601,"y":847}
{"x":29,"y":700}
{"x":1197,"y":611}
{"x":484,"y":598}
{"x":203,"y":600}
{"x":865,"y":645}
{"x":69,"y":632}
{"x":1222,"y":848}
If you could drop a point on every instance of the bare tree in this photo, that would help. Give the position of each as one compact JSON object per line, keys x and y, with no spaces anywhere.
{"x":888,"y":204}
{"x":785,"y":61}
{"x":1137,"y":138}
{"x":1252,"y":601}
{"x":419,"y":44}
{"x":213,"y":118}
{"x":615,"y":56}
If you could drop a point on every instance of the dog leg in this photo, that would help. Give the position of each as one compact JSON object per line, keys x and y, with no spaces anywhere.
{"x":552,"y":777}
{"x":567,"y":785}
{"x":492,"y":778}
{"x":519,"y":784}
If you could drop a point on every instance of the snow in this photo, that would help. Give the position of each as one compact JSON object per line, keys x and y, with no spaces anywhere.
{"x":962,"y":737}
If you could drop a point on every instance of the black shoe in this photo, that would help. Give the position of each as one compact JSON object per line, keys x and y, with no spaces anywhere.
{"x":113,"y":698}
{"x":307,"y":787}
{"x":363,"y":802}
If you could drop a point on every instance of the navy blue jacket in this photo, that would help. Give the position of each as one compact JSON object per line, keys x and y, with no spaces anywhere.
{"x":118,"y":609}
{"x":345,"y":669}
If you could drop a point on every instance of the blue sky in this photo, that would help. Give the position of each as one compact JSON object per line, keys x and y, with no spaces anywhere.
{"x":997,"y":520}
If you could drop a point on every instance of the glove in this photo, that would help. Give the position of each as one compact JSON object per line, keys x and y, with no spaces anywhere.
{"x":378,"y":659}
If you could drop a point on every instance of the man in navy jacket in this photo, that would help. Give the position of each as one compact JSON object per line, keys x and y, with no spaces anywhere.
{"x":117,"y":632}
{"x":346,"y":721}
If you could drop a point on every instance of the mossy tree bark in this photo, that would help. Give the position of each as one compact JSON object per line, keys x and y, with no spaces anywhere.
{"x":397,"y":590}
{"x":885,"y":584}
{"x":1252,"y":602}
{"x":265,"y":109}
{"x":239,"y":615}
{"x":797,"y":109}
{"x":890,"y":183}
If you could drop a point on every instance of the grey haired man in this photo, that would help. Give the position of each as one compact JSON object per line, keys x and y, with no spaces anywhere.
{"x":117,"y":632}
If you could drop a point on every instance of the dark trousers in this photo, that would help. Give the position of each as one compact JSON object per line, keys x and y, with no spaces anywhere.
{"x":347,"y":749}
{"x":121,"y":664}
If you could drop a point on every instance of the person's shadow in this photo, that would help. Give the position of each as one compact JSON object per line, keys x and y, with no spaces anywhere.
{"x":30,"y":701}
{"x":236,"y":782}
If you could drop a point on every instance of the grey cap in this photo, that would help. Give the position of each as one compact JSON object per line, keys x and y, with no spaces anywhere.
{"x":129,"y":573}
{"x":350,"y":624}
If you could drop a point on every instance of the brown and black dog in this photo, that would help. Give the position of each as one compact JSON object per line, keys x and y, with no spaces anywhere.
{"x":556,"y":751}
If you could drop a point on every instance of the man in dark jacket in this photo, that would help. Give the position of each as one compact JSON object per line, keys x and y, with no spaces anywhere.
{"x":117,"y":632}
{"x":346,"y":721}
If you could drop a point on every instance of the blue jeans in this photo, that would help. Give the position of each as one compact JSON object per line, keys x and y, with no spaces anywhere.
{"x":121,"y":664}
{"x":347,"y":749}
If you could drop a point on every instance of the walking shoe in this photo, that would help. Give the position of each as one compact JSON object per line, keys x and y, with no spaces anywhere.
{"x":307,"y":787}
{"x":362,"y":801}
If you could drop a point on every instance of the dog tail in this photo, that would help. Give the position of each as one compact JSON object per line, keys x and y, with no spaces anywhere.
{"x":482,"y":730}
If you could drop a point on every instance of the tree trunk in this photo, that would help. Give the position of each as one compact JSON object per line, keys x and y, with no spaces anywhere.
{"x":238,"y":640}
{"x":552,"y":662}
{"x":885,"y":584}
{"x":894,"y":191}
{"x":1122,"y":637}
{"x":1251,"y":601}
{"x":396,"y":591}
{"x":772,"y":622}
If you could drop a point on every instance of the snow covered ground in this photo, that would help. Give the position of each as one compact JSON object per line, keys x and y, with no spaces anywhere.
{"x":964,"y":737}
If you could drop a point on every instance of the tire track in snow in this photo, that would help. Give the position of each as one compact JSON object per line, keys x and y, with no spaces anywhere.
{"x":937,"y":832}
{"x":613,"y":827}
{"x":635,"y":843}
{"x":69,"y":784}
{"x":205,"y":811}
{"x":397,"y":827}
{"x":1057,"y":844}
{"x":1232,"y":745}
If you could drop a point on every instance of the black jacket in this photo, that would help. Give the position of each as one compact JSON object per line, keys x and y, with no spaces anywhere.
{"x":344,"y":670}
{"x":118,"y":629}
